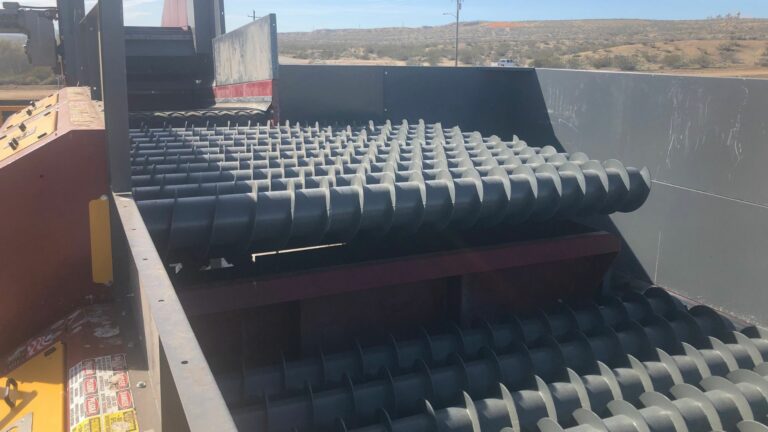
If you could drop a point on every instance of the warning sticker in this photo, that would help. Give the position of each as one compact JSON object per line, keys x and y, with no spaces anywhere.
{"x":100,"y":397}
{"x":121,"y":421}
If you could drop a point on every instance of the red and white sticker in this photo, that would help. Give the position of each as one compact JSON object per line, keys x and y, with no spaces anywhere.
{"x":97,"y":387}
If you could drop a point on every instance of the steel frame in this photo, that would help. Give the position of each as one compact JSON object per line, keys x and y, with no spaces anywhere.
{"x":247,"y":292}
{"x":187,"y":397}
{"x":185,"y":391}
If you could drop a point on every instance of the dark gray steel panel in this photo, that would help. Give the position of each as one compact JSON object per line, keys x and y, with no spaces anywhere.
{"x":708,"y":134}
{"x":709,"y":248}
{"x":331,"y":93}
{"x":489,"y":100}
{"x":703,"y":230}
{"x":71,"y":12}
{"x":114,"y":92}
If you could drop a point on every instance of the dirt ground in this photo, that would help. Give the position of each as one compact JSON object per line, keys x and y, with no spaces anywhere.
{"x":745,"y":72}
{"x":25,"y":93}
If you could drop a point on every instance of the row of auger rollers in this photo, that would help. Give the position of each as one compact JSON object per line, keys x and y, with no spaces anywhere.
{"x":213,"y":191}
{"x":573,"y":359}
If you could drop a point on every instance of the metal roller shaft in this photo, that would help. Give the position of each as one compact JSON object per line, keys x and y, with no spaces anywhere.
{"x":520,"y":368}
{"x":435,"y":349}
{"x":288,"y":188}
{"x":738,"y":401}
{"x":740,"y":397}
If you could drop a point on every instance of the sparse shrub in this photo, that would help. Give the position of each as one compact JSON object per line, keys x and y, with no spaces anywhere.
{"x":625,"y":63}
{"x":502,"y":48}
{"x":729,"y":57}
{"x":674,"y":61}
{"x":468,"y":56}
{"x":600,"y":62}
{"x":326,"y":54}
{"x":729,"y":46}
{"x":650,"y":57}
{"x":552,"y":61}
{"x":703,"y":61}
{"x":575,"y":62}
{"x":433,"y":57}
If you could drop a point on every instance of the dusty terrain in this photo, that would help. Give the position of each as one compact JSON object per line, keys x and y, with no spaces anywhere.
{"x":25,"y":92}
{"x":721,"y":46}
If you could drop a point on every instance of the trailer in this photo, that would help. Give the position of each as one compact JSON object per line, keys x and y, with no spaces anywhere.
{"x":198,"y":238}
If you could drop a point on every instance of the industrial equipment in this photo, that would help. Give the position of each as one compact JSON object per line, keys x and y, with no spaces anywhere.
{"x":37,"y":24}
{"x":196,"y":238}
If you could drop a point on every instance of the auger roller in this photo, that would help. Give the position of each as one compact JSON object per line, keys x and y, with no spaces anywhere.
{"x":435,"y":349}
{"x":209,"y":193}
{"x":628,"y":349}
{"x":738,"y":401}
{"x":740,"y":397}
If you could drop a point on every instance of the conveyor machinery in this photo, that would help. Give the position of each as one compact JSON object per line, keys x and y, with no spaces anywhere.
{"x":567,"y":365}
{"x":223,"y":191}
{"x":196,"y":252}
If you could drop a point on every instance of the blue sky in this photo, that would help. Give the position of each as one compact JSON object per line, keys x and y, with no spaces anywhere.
{"x":299,"y":15}
{"x":305,"y":15}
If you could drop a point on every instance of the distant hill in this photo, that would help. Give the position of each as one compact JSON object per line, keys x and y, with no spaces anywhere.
{"x":714,"y":46}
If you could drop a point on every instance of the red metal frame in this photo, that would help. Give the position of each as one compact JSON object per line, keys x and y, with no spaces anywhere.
{"x":247,"y":293}
{"x":45,"y":189}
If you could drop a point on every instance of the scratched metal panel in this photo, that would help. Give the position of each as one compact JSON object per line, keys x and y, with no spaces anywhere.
{"x":704,"y":230}
{"x":496,"y":101}
{"x":709,"y":248}
{"x":248,"y":53}
{"x":708,"y":134}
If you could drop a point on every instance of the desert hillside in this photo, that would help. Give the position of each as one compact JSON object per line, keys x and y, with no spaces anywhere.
{"x":721,"y":46}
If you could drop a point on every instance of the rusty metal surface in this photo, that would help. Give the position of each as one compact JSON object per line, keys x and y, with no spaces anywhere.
{"x":46,"y":270}
{"x":187,"y":394}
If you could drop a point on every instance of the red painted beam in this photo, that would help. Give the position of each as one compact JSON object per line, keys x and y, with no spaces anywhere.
{"x":263,"y":88}
{"x":247,"y":293}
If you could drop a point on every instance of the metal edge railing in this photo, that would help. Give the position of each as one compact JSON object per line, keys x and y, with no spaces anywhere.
{"x":185,"y":391}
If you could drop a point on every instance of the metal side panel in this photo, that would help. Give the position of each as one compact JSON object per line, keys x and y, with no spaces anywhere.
{"x":702,"y":232}
{"x":188,"y":395}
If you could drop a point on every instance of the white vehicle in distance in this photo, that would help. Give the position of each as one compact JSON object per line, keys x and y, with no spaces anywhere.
{"x":505,"y":63}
